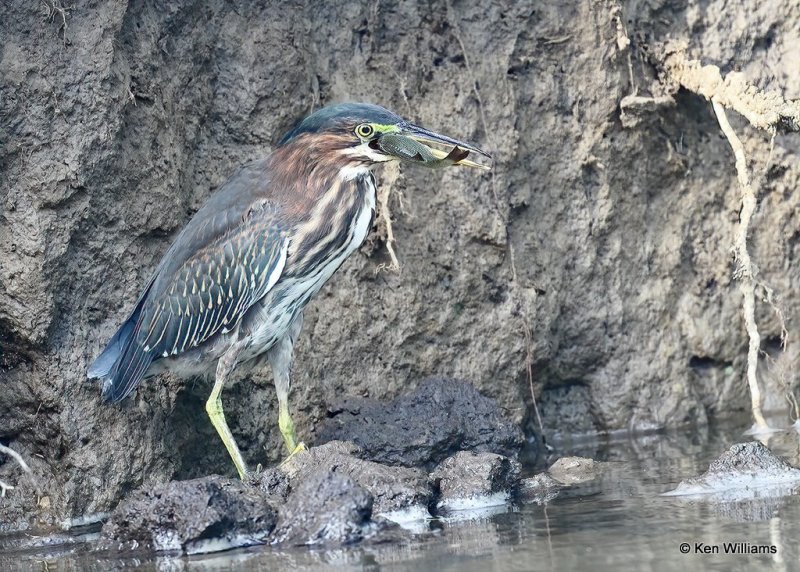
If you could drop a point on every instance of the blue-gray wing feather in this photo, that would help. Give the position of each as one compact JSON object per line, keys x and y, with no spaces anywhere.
{"x":226,"y":259}
{"x":212,"y":291}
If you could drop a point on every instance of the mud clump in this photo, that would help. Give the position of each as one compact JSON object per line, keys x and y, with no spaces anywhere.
{"x":327,"y":508}
{"x":200,"y":515}
{"x":574,"y":470}
{"x":740,"y":472}
{"x":752,"y":458}
{"x":422,"y":428}
{"x":273,"y":484}
{"x":539,"y":489}
{"x":393,"y":488}
{"x":334,"y":494}
{"x":327,"y":495}
{"x":471,"y":480}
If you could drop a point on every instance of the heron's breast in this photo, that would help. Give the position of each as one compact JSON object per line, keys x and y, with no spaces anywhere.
{"x":270,"y":318}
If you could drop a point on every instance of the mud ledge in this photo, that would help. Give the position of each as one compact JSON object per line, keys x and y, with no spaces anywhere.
{"x":437,"y":445}
{"x":327,"y":496}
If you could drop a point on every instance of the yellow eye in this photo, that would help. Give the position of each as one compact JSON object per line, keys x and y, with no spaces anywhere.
{"x":365,"y":130}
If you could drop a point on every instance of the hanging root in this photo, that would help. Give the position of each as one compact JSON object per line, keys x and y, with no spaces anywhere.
{"x":764,"y":110}
{"x":391,"y":174}
{"x":745,"y":270}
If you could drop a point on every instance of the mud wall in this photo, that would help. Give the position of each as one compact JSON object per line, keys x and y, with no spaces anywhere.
{"x":610,"y":244}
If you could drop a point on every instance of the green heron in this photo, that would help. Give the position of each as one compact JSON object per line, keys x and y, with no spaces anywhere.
{"x":232,"y":287}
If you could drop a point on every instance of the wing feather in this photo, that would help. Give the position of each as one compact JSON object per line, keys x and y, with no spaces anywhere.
{"x":228,"y":256}
{"x":216,"y":302}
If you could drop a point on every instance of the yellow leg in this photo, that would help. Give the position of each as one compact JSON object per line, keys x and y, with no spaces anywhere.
{"x":280,"y":358}
{"x":217,"y":415}
{"x":286,"y":425}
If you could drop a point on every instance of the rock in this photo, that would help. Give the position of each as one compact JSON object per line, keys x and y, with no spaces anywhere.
{"x":538,"y":489}
{"x":423,"y":427}
{"x":574,"y":470}
{"x":635,"y":108}
{"x":395,"y":490}
{"x":200,"y":515}
{"x":326,"y":508}
{"x":743,"y":471}
{"x":474,"y":480}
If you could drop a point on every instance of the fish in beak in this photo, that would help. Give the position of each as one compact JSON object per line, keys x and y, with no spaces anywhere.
{"x":415,"y":144}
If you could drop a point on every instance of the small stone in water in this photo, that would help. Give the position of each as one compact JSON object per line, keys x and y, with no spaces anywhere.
{"x":574,"y":470}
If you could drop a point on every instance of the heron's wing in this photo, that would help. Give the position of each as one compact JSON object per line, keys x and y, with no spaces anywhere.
{"x":212,"y":290}
{"x":228,"y":257}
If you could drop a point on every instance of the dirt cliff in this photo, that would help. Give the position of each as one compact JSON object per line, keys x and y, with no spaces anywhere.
{"x":599,"y":252}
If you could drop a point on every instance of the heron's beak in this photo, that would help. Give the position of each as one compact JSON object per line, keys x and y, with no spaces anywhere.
{"x":414,"y":144}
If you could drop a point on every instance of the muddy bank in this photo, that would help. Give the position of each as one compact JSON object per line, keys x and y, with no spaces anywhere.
{"x":328,"y":496}
{"x":333,"y":495}
{"x":116,"y":126}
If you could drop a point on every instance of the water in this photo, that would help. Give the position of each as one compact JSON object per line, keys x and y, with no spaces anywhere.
{"x":618,"y":521}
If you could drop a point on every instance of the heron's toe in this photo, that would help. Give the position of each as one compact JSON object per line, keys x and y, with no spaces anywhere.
{"x":299,"y":448}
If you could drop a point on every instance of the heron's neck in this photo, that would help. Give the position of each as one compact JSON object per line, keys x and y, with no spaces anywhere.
{"x":312,"y":167}
{"x":322,"y":195}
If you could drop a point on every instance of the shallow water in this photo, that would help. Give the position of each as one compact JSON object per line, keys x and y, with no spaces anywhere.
{"x":618,"y":521}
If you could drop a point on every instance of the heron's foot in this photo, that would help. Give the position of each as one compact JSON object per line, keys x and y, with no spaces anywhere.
{"x":299,"y":448}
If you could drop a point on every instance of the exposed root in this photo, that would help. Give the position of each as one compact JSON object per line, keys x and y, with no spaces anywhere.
{"x":745,"y":269}
{"x":519,"y":305}
{"x":57,"y":11}
{"x":481,"y":111}
{"x":392,"y":173}
{"x":781,"y":371}
{"x":769,"y":298}
{"x":764,"y":110}
{"x":529,"y":369}
{"x":4,"y":487}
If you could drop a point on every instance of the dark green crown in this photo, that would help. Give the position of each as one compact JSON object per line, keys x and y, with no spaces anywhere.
{"x":334,"y":117}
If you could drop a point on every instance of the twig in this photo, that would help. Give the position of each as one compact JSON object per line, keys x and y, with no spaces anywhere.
{"x":745,"y":269}
{"x":520,"y":306}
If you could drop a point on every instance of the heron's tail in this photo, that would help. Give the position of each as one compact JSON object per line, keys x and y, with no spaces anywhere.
{"x":124,"y":362}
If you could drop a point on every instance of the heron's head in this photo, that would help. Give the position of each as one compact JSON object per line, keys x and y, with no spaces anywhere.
{"x":362,"y":135}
